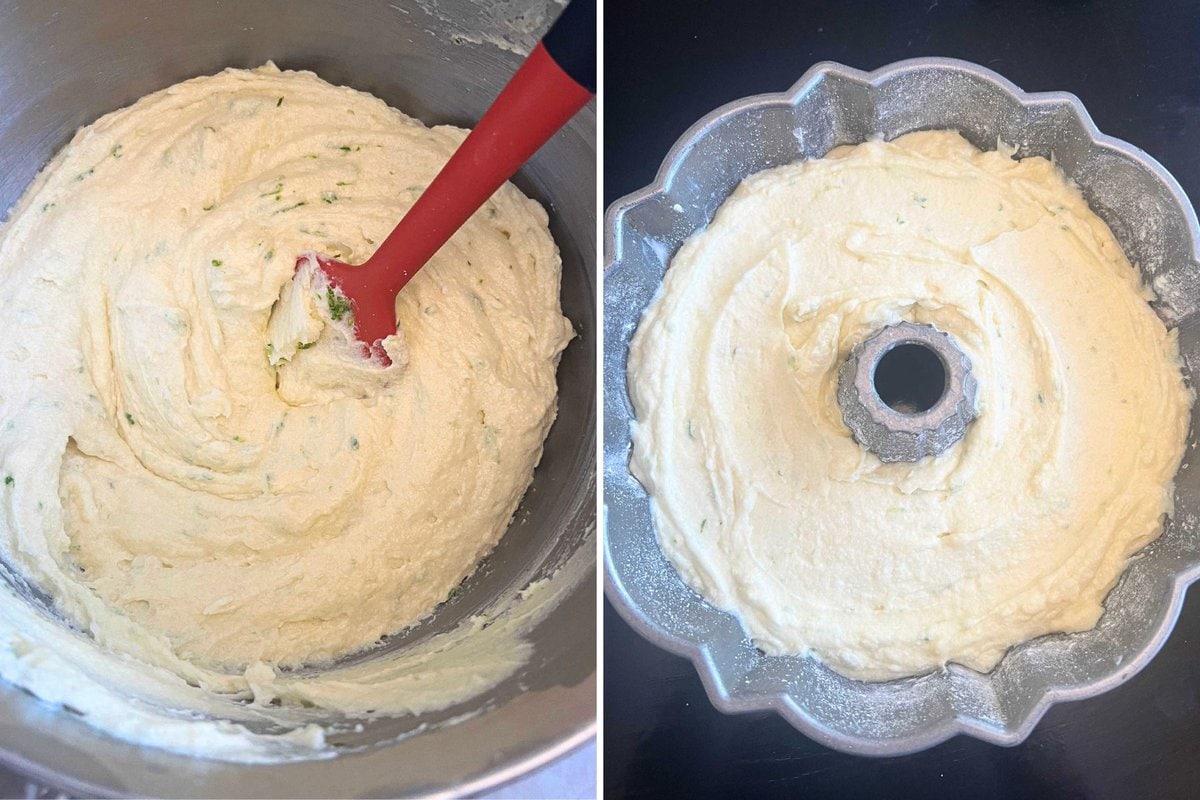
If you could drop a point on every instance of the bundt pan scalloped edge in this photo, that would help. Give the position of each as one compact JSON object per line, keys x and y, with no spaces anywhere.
{"x":829,"y":106}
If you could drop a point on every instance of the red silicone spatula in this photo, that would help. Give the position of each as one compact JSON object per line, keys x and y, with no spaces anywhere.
{"x":556,"y":80}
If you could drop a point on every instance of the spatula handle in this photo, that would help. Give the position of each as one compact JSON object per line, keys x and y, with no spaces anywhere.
{"x":556,"y":80}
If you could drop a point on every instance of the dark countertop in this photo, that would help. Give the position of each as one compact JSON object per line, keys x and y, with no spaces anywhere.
{"x":1137,"y":69}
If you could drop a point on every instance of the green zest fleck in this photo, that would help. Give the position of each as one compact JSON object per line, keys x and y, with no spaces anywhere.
{"x":345,"y":148}
{"x":353,"y":443}
{"x":691,"y":433}
{"x":304,"y":345}
{"x":270,"y":255}
{"x":47,"y":206}
{"x":84,"y":174}
{"x":116,"y":151}
{"x":1041,"y":397}
{"x":278,"y":188}
{"x":210,"y":206}
{"x":216,"y":262}
{"x":339,"y":304}
{"x":294,"y":205}
{"x":237,"y":438}
{"x":328,"y":197}
{"x":279,"y":102}
{"x":342,"y":183}
{"x":129,"y":418}
{"x":8,"y":480}
{"x":703,"y":525}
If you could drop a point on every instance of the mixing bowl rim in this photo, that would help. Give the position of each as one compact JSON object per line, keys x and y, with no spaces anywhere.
{"x":508,"y":773}
{"x":576,"y":521}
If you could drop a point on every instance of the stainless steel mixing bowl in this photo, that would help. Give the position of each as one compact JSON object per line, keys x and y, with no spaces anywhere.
{"x":829,"y":106}
{"x":64,"y":64}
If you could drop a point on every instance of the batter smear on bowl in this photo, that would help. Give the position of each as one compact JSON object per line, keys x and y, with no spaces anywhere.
{"x":767,"y":504}
{"x":214,"y":501}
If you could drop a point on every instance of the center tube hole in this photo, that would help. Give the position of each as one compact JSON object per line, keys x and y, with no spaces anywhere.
{"x":910,"y":378}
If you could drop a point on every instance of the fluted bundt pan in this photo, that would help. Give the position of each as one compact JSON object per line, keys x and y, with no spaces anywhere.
{"x":834,"y":105}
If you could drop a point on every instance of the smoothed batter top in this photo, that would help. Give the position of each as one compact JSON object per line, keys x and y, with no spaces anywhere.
{"x":768,"y":507}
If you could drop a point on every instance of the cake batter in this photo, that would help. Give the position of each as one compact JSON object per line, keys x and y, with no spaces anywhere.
{"x":214,"y":494}
{"x":768,"y":507}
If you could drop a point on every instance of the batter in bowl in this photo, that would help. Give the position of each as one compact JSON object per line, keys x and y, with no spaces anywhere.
{"x":766,"y":504}
{"x":213,"y":504}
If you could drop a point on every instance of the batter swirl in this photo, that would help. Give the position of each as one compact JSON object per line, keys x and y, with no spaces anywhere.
{"x":212,"y":504}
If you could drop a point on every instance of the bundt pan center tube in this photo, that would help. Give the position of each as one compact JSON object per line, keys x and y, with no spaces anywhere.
{"x":923,"y":412}
{"x":907,"y":392}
